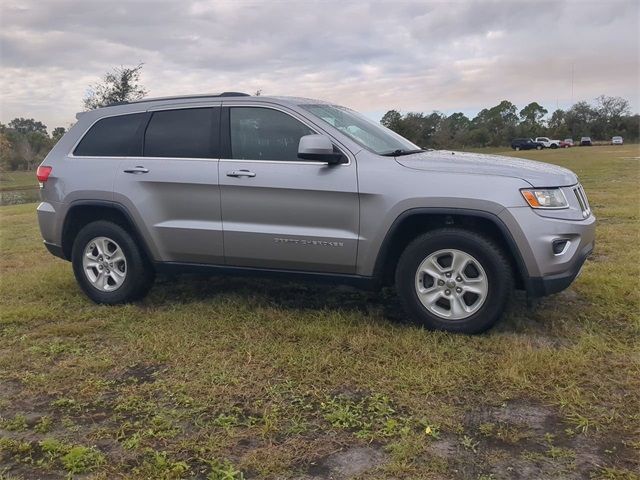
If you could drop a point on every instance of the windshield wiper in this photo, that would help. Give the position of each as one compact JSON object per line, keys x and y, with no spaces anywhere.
{"x":400,"y":153}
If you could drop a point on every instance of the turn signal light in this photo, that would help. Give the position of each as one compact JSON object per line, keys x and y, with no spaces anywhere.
{"x":43,"y":173}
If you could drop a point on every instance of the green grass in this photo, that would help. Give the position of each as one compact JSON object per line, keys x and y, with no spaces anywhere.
{"x":18,"y":180}
{"x":231,"y":378}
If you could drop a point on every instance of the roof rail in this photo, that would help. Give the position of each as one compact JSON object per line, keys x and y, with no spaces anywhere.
{"x":202,"y":95}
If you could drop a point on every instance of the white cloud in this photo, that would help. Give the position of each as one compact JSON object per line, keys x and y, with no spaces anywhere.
{"x":416,"y":56}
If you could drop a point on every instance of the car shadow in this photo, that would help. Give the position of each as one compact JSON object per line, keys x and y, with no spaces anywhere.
{"x":296,"y":295}
{"x":279,"y":293}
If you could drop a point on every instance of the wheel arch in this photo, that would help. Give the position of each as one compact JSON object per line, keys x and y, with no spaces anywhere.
{"x":417,"y":221}
{"x":83,"y":212}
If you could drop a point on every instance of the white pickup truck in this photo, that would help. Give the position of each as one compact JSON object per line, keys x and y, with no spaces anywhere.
{"x":548,"y":143}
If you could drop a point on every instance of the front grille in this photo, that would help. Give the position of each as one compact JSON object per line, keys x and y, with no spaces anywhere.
{"x":582,"y":201}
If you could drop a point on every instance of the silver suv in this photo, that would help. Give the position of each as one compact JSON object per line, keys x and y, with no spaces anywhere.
{"x":235,"y":184}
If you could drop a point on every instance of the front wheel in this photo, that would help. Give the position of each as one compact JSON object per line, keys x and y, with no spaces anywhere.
{"x":108,"y":264}
{"x":454,"y":280}
{"x":554,"y":145}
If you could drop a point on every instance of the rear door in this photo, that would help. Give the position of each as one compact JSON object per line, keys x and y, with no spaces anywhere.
{"x":172,"y":191}
{"x":278,"y":211}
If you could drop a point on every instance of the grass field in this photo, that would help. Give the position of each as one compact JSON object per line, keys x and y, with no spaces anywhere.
{"x":240,"y":378}
{"x":18,"y":180}
{"x":18,"y":187}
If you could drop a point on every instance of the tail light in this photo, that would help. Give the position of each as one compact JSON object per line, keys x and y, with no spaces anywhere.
{"x":43,"y":173}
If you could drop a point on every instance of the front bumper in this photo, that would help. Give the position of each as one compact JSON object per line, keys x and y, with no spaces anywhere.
{"x":542,"y":286}
{"x":545,"y":270}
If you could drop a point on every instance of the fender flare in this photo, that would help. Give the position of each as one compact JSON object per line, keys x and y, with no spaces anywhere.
{"x":113,"y":205}
{"x":493,"y":218}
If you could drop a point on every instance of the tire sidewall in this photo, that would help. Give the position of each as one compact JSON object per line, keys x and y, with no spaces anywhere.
{"x":136,"y":268}
{"x":484,"y":252}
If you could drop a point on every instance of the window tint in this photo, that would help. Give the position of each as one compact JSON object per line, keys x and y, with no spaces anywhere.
{"x":265,"y":134}
{"x":180,"y":133}
{"x":112,"y":137}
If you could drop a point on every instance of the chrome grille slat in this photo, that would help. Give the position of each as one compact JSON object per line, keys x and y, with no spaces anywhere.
{"x":582,"y":200}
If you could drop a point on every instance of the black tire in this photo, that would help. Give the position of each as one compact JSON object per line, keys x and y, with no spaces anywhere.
{"x":139,"y":271}
{"x":492,"y":259}
{"x":554,"y":145}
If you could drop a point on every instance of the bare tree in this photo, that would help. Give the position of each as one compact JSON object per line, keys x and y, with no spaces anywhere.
{"x":122,"y":84}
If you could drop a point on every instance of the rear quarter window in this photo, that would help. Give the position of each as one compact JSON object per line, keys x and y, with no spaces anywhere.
{"x":112,"y":137}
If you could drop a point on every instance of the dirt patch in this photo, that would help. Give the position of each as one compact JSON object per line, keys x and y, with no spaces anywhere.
{"x":520,"y":440}
{"x":346,"y":464}
{"x":537,"y":418}
{"x":140,"y":373}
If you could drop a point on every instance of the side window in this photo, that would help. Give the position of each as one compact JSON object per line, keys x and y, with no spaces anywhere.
{"x":184,"y":133}
{"x":112,"y":137}
{"x":265,"y":134}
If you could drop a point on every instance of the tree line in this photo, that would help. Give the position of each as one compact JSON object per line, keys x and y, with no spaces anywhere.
{"x":24,"y":142}
{"x":498,"y":125}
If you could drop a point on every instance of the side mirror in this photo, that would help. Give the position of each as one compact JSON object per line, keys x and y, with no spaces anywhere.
{"x":318,"y":148}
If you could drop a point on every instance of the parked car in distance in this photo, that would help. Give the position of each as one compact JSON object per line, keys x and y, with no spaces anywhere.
{"x":547,"y":142}
{"x":585,"y":142}
{"x":566,"y":143}
{"x":617,"y":140}
{"x":526,"y":144}
{"x":299,"y":189}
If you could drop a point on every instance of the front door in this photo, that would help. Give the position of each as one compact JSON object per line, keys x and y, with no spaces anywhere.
{"x":278,"y":211}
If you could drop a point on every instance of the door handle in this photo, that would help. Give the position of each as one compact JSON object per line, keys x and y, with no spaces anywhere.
{"x":240,"y":173}
{"x":137,"y":169}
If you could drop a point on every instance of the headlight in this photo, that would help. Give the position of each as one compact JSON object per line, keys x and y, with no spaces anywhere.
{"x":545,"y":198}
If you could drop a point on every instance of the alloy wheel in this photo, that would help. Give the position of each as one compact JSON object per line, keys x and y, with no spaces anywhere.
{"x":451,"y":284}
{"x":104,"y":264}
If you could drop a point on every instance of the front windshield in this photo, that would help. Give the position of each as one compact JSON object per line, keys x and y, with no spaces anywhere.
{"x":360,"y":129}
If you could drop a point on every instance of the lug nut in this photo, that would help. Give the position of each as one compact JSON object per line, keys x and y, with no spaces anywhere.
{"x":458,"y":289}
{"x":447,"y":292}
{"x":100,"y":267}
{"x":440,"y":282}
{"x":448,"y":275}
{"x":458,"y":279}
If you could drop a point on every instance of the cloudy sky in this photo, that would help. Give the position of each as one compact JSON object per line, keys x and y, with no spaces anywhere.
{"x":413,"y":56}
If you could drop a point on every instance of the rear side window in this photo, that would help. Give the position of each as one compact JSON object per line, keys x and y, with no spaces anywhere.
{"x":112,"y":137}
{"x":184,"y":133}
{"x":265,"y":134}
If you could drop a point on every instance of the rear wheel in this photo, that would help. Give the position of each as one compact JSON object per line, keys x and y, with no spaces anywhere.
{"x":554,"y":145}
{"x":108,"y":264}
{"x":454,"y":280}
